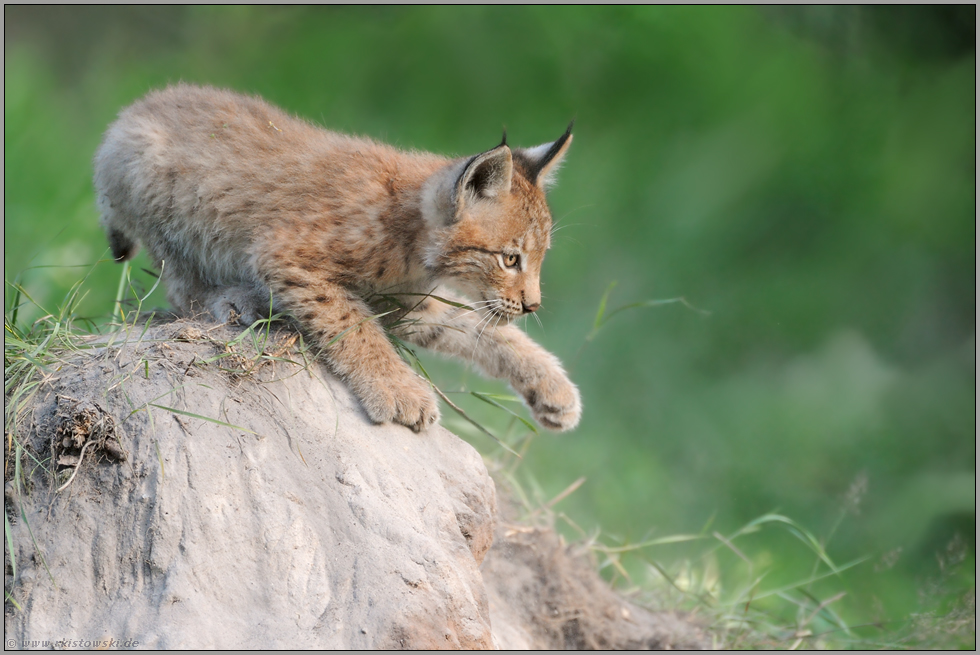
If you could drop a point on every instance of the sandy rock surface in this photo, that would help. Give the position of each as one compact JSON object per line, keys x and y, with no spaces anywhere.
{"x":310,"y":528}
{"x":229,"y":500}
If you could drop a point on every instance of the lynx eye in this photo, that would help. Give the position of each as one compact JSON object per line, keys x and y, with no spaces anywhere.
{"x":511,"y":261}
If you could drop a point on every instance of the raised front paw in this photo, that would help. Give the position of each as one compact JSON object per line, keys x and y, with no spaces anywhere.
{"x":404,"y":398}
{"x":555,"y":401}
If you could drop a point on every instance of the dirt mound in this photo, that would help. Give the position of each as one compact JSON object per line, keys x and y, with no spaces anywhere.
{"x":197,"y":486}
{"x":545,"y":596}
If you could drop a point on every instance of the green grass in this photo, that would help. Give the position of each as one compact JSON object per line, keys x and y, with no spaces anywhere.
{"x":729,"y":583}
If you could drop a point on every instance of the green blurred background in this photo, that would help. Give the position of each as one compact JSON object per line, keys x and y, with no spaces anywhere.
{"x":806,"y":175}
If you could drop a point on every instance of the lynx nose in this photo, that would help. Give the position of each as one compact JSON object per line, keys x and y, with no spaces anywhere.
{"x":531,"y":308}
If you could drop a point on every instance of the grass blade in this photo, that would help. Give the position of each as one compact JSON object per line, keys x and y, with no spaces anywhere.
{"x":672,"y":539}
{"x":117,"y":312}
{"x":203,"y":418}
{"x":793,"y":528}
{"x":478,"y":426}
{"x":490,"y":401}
{"x":8,"y":533}
{"x":602,"y":310}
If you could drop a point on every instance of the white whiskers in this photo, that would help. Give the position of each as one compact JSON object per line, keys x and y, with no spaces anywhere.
{"x":492,"y":315}
{"x":538,"y":319}
{"x":476,"y":306}
{"x":500,"y":317}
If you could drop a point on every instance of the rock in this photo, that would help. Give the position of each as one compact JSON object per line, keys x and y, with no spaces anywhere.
{"x":287,"y":520}
{"x":218,"y":497}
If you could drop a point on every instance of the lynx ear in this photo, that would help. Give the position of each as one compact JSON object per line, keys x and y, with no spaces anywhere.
{"x":542,"y":162}
{"x":486,"y":176}
{"x":483,"y":177}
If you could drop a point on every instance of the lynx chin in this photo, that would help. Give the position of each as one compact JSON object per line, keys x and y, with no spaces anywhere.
{"x":237,"y":203}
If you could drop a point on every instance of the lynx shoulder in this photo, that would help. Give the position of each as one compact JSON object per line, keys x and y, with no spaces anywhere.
{"x":237,"y":203}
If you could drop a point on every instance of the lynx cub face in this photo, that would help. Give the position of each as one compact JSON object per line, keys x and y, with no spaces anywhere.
{"x":499,"y":229}
{"x":237,"y":202}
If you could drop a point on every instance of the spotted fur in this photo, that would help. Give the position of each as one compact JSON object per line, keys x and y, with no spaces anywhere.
{"x":239,"y":203}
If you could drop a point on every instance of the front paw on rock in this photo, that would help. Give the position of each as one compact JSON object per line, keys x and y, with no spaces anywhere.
{"x":406,"y":400}
{"x":557,"y":406}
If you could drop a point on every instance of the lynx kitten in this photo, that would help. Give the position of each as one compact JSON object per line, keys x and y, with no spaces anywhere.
{"x":237,"y":202}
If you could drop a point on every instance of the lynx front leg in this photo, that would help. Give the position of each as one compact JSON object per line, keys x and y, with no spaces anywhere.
{"x":387,"y":388}
{"x":502,"y":352}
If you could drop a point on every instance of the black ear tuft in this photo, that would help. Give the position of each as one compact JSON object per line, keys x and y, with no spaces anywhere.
{"x":542,"y":161}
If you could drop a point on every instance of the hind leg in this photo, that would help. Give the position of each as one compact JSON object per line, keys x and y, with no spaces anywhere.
{"x":187,"y":292}
{"x":241,"y":304}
